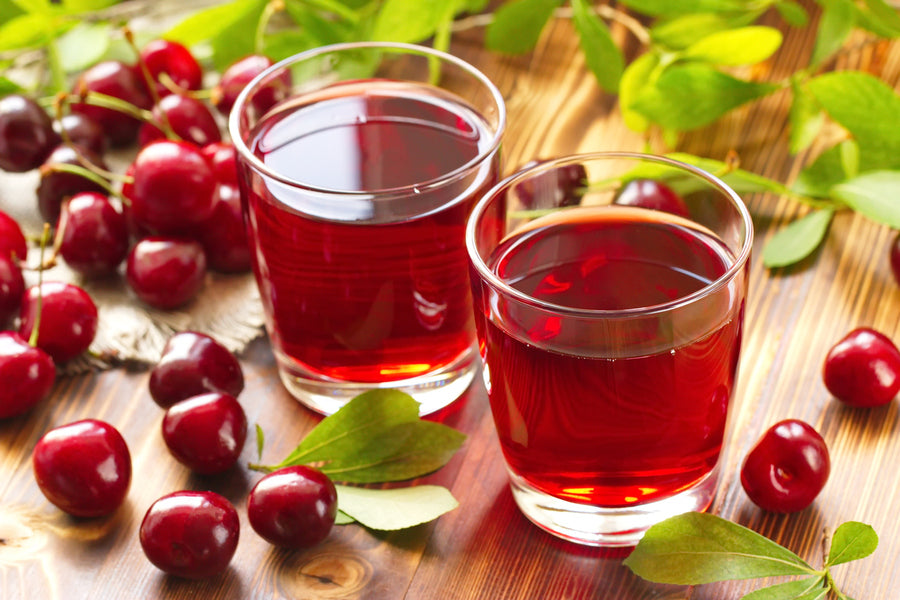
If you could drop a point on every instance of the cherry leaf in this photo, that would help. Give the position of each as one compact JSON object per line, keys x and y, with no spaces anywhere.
{"x":809,"y":588}
{"x":798,"y":240}
{"x":681,"y":32}
{"x":742,"y":46}
{"x":674,"y":8}
{"x":874,"y":195}
{"x":404,"y":21}
{"x":851,"y":541}
{"x":696,"y":548}
{"x":793,"y":13}
{"x":83,"y":45}
{"x":517,"y":25}
{"x":635,"y":78}
{"x":601,"y":54}
{"x":396,"y":508}
{"x":835,"y":25}
{"x":806,"y":119}
{"x":343,"y":518}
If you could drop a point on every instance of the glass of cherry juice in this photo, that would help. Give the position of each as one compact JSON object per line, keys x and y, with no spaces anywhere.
{"x":359,"y":164}
{"x":610,"y":334}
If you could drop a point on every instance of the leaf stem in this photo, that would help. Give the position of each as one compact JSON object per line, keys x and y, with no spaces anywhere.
{"x":272,"y":7}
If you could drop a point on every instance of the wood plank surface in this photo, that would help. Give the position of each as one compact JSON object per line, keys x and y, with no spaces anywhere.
{"x":485,"y":549}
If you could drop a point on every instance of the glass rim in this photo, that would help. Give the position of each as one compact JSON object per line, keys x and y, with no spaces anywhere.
{"x":488,"y":275}
{"x":243,"y":150}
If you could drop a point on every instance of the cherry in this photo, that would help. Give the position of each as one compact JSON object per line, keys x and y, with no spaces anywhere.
{"x":166,"y":272}
{"x":166,"y":56}
{"x":189,"y":118}
{"x":26,"y":375}
{"x":552,"y":188}
{"x":173,"y":187}
{"x":56,"y":186}
{"x":116,"y":79}
{"x":190,"y":534}
{"x":82,"y":131}
{"x":787,"y":468}
{"x":206,"y":433}
{"x":12,"y":286}
{"x":223,"y":234}
{"x":221,"y":158}
{"x":652,"y":194}
{"x":12,"y":241}
{"x":863,"y":369}
{"x":895,"y":257}
{"x":238,"y":75}
{"x":26,"y":134}
{"x":93,"y":234}
{"x":294,"y":507}
{"x":192,"y":364}
{"x":84,"y":468}
{"x":68,"y":319}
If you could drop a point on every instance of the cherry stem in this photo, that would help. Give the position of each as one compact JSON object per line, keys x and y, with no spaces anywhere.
{"x":272,"y":7}
{"x":164,"y":124}
{"x":33,"y":338}
{"x":89,"y":174}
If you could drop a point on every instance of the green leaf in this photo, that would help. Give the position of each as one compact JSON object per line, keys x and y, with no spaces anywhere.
{"x":601,"y":54}
{"x":635,"y":78}
{"x":405,"y":21}
{"x":806,"y":118}
{"x":798,"y":240}
{"x":696,"y":548}
{"x":396,"y":508}
{"x":229,"y":28}
{"x":791,"y":590}
{"x":74,"y":7}
{"x":8,"y":87}
{"x":851,"y":541}
{"x":9,"y":10}
{"x":25,"y":31}
{"x":739,"y":180}
{"x":377,"y":437}
{"x":880,"y":18}
{"x":282,"y":44}
{"x":690,"y":96}
{"x":674,"y":8}
{"x":744,"y":46}
{"x":866,"y":107}
{"x":325,"y":30}
{"x":681,"y":32}
{"x":835,"y":25}
{"x":517,"y":25}
{"x":343,"y":518}
{"x":793,"y":13}
{"x":817,"y":179}
{"x":83,"y":45}
{"x":874,"y":195}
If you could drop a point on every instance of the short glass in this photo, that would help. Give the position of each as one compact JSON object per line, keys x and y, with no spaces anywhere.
{"x":358,"y":165}
{"x":610,"y":337}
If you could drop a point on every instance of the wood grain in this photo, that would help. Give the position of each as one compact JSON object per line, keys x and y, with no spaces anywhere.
{"x":485,"y":549}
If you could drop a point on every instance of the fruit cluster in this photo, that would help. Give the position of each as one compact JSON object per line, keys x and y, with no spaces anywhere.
{"x":173,"y":214}
{"x":84,"y":468}
{"x":788,"y":466}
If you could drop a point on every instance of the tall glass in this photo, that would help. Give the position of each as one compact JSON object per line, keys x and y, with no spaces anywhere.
{"x":359,"y":164}
{"x":610,"y":337}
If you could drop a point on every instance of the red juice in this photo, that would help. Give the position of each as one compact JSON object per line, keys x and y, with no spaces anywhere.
{"x":619,"y":431}
{"x":369,"y":284}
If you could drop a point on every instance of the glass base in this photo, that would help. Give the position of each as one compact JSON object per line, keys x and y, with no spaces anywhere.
{"x":609,"y":527}
{"x":432,"y":391}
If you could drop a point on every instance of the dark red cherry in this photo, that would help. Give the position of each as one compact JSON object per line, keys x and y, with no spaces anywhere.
{"x":92,"y":234}
{"x":787,"y":468}
{"x":68,"y":319}
{"x":895,"y":257}
{"x":116,"y":79}
{"x":206,"y":433}
{"x":190,"y":534}
{"x":82,"y":131}
{"x":26,"y":134}
{"x":173,"y":189}
{"x":294,"y":507}
{"x":166,"y":272}
{"x":223,"y":234}
{"x":12,"y":241}
{"x":192,"y":364}
{"x":84,"y":468}
{"x":652,"y":194}
{"x":238,"y":75}
{"x":863,"y":369}
{"x":56,"y":186}
{"x":26,"y":375}
{"x":12,"y":286}
{"x":189,"y":118}
{"x":165,"y":56}
{"x":553,"y":188}
{"x":221,"y":158}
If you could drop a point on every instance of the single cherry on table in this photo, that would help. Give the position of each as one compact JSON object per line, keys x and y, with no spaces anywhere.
{"x":92,"y":234}
{"x":68,"y":320}
{"x":191,"y":364}
{"x":84,"y":468}
{"x":863,"y":369}
{"x":206,"y":433}
{"x":166,"y":272}
{"x":787,"y":467}
{"x":190,"y":534}
{"x":26,"y":375}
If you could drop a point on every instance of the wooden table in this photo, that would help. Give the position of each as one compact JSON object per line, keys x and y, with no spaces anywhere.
{"x":485,"y":549}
